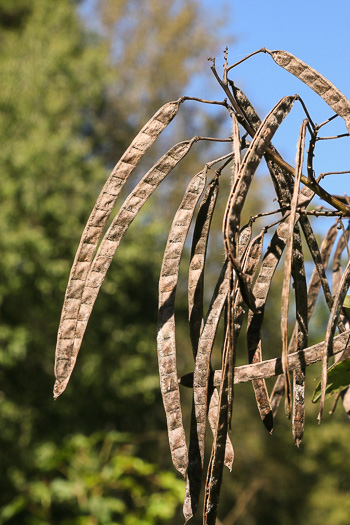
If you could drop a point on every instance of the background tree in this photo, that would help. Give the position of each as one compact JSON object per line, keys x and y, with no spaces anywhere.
{"x":71,"y":99}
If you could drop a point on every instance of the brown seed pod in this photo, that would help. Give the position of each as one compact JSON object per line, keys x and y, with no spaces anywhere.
{"x":312,"y":294}
{"x":288,"y":263}
{"x":166,"y":347}
{"x":317,"y":82}
{"x":82,"y":293}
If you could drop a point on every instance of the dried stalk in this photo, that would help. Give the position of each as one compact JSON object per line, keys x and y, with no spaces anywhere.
{"x":288,"y":264}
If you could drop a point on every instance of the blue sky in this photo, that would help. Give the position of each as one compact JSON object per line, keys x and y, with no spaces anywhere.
{"x":316,"y":32}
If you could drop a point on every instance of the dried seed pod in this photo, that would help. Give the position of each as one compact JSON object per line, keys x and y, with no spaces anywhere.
{"x":213,"y":418}
{"x":263,"y":281}
{"x":216,"y":462}
{"x":195,"y":468}
{"x":337,"y":269}
{"x":332,"y":324}
{"x":197,"y":262}
{"x":288,"y":263}
{"x":200,"y":383}
{"x":240,"y":189}
{"x":104,"y":206}
{"x":248,"y":167}
{"x":273,"y":367}
{"x":301,"y":335}
{"x":282,"y":182}
{"x":250,"y":265}
{"x":317,"y":82}
{"x":246,"y":107}
{"x":166,"y":346}
{"x":312,"y":294}
{"x":79,"y":298}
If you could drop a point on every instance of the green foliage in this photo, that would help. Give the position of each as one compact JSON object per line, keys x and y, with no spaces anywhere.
{"x":57,"y":146}
{"x":338,"y":380}
{"x":346,"y":305}
{"x":92,"y":479}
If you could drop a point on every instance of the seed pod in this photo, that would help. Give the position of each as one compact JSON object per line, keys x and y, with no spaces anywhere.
{"x":216,"y":462}
{"x":337,"y":269}
{"x":246,"y":107}
{"x":312,"y":294}
{"x":301,"y":335}
{"x":166,"y":346}
{"x":102,"y":210}
{"x":317,"y":82}
{"x":332,"y":324}
{"x":288,"y":263}
{"x":197,"y":262}
{"x":240,"y":189}
{"x":201,"y":387}
{"x":80,"y":298}
{"x":296,"y":360}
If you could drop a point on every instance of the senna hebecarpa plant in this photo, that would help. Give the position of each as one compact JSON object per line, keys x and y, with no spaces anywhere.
{"x":242,"y":288}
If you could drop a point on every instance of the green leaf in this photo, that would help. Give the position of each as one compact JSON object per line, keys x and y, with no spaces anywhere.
{"x":338,"y":380}
{"x":346,"y":306}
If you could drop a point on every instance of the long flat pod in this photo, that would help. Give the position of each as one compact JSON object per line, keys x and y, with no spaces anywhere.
{"x":246,"y":107}
{"x":195,"y":312}
{"x":216,"y":462}
{"x":201,"y":388}
{"x":202,"y":367}
{"x":317,"y":82}
{"x":282,"y":182}
{"x":288,"y":262}
{"x":104,"y":206}
{"x":312,"y":294}
{"x":251,"y":160}
{"x":332,"y":324}
{"x":81,"y":299}
{"x":228,"y":249}
{"x":273,"y":367}
{"x":250,"y":261}
{"x":301,"y":335}
{"x":166,"y":346}
{"x":200,"y":384}
{"x":262,"y":284}
{"x":212,"y":419}
{"x":259,"y":385}
{"x":337,"y":269}
{"x":197,"y":262}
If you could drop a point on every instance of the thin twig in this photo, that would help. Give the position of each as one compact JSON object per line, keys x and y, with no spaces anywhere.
{"x":204,"y":101}
{"x":334,"y":137}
